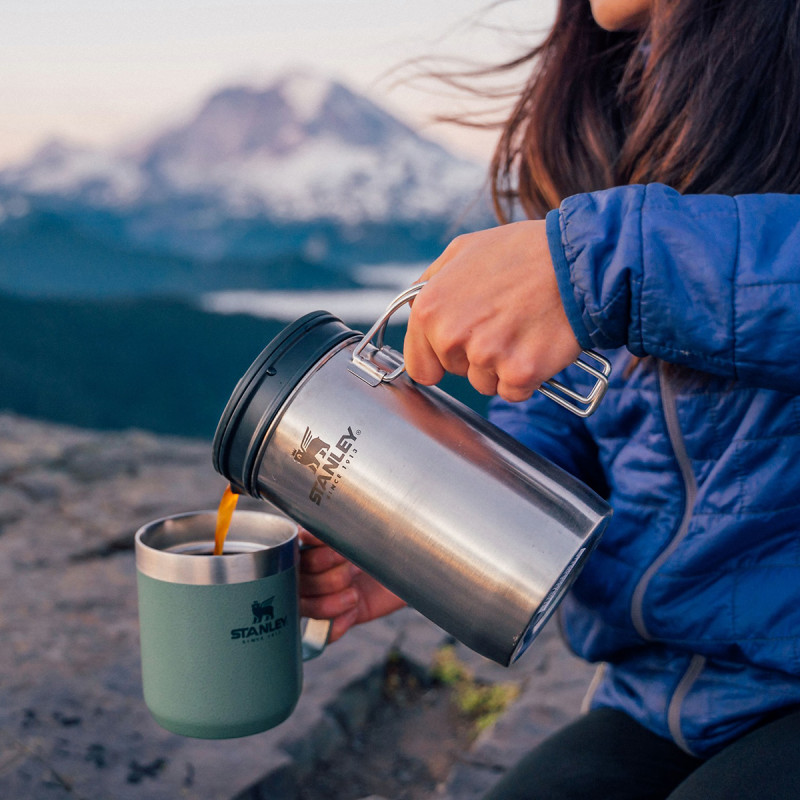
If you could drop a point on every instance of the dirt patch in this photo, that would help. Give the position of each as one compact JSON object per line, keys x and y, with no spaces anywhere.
{"x":405,"y":750}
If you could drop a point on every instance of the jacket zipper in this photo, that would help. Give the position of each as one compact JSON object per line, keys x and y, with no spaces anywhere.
{"x":683,"y":688}
{"x":669,"y":404}
{"x":696,"y":664}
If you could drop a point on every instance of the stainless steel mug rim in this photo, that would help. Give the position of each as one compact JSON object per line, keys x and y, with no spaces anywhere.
{"x":259,"y":544}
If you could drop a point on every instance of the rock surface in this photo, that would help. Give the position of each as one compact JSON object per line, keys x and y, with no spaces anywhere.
{"x":72,"y":720}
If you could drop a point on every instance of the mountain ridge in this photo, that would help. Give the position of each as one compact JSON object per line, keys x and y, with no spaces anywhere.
{"x":300,"y":148}
{"x":301,"y":171}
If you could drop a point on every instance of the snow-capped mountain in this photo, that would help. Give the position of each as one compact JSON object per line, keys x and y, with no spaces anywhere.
{"x":302,"y":148}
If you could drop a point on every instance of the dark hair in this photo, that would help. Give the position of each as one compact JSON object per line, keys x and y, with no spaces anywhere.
{"x":705,"y":99}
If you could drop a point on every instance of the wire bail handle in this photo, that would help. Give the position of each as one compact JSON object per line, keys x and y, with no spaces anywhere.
{"x":581,"y":404}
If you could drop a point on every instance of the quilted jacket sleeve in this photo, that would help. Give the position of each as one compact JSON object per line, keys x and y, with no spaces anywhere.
{"x":708,"y":281}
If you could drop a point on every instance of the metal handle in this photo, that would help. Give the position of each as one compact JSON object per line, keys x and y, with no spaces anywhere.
{"x":316,"y":632}
{"x":580,"y":404}
{"x":315,"y":637}
{"x":368,"y":370}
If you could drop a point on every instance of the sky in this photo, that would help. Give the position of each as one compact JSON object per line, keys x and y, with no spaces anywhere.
{"x":103,"y":72}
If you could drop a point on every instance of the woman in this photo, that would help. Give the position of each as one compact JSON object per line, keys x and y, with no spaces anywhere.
{"x":660,"y":141}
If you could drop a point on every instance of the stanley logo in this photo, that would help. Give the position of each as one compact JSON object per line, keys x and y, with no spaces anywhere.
{"x":264,"y":609}
{"x":264,"y":623}
{"x":326,"y":462}
{"x":311,"y":450}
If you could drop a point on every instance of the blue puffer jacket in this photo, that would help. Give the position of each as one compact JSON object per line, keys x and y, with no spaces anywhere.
{"x":692,"y":599}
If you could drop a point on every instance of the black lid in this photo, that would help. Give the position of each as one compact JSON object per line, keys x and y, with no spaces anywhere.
{"x":262,"y":390}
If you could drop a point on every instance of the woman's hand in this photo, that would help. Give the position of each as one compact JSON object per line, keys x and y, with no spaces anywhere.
{"x":333,"y":588}
{"x":491,"y":311}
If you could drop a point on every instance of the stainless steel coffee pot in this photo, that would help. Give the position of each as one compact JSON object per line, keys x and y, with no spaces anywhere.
{"x":475,"y":531}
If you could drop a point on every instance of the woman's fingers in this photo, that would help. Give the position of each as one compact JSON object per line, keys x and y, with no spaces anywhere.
{"x":334,"y":608}
{"x":336,"y":579}
{"x":341,"y":624}
{"x":329,"y":606}
{"x":491,"y":310}
{"x":421,"y":359}
{"x":320,"y":559}
{"x":307,"y":539}
{"x":333,"y":588}
{"x":484,"y":380}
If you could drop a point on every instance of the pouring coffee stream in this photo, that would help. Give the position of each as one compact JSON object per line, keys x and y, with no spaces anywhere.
{"x":227,"y":505}
{"x":475,"y":531}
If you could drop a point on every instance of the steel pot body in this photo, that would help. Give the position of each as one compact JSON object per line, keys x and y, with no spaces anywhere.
{"x":469,"y":527}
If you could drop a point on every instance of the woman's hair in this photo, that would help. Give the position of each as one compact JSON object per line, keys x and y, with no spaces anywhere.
{"x":705,"y":99}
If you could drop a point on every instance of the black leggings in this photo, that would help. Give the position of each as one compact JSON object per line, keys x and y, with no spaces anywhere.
{"x":607,"y":756}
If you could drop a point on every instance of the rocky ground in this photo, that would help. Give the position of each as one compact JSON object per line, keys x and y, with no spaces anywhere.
{"x":373,"y":718}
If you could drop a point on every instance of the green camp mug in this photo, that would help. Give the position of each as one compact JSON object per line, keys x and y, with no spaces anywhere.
{"x":222,"y":650}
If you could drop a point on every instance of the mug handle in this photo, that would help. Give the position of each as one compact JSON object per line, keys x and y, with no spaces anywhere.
{"x":315,"y":637}
{"x":580,"y":404}
{"x":316,"y":631}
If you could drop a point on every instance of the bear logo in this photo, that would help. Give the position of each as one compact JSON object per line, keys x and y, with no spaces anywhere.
{"x":311,"y":450}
